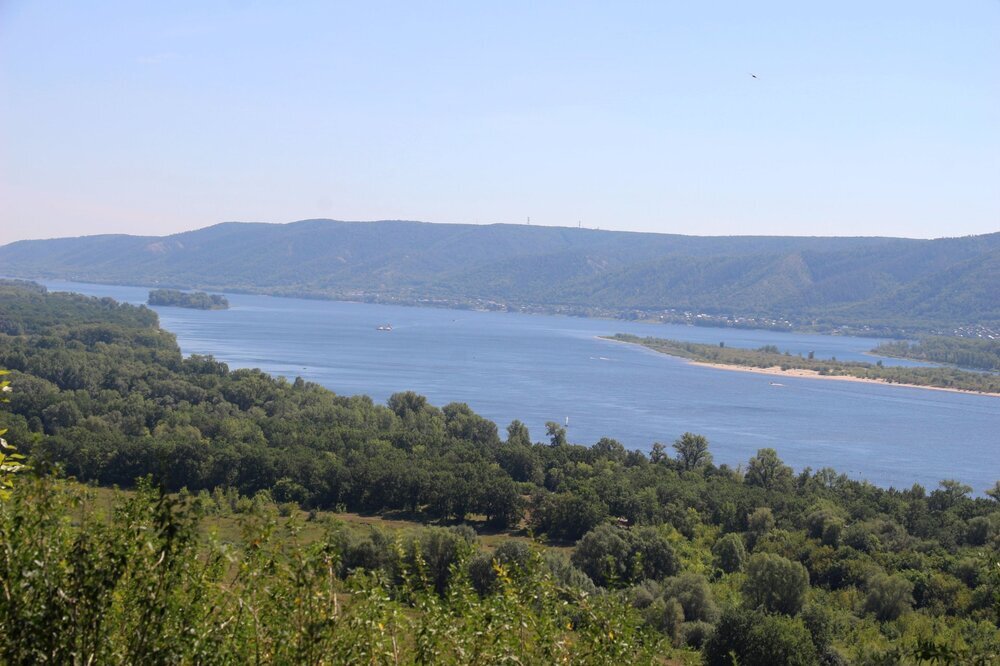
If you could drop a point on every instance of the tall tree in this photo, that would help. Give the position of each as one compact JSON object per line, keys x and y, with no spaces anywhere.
{"x":517,"y":434}
{"x":768,"y":471}
{"x":556,"y":433}
{"x":692,"y":451}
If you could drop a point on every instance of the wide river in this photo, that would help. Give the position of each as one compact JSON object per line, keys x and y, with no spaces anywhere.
{"x":539,"y":368}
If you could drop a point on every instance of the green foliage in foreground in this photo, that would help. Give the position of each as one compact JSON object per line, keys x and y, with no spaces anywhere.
{"x":136,"y":586}
{"x":770,"y":357}
{"x":11,"y":462}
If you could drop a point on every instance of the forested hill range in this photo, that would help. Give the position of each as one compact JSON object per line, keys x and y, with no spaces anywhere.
{"x":949,"y":286}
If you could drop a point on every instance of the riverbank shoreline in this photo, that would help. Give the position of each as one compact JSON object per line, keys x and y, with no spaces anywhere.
{"x":776,"y":371}
{"x":800,"y":373}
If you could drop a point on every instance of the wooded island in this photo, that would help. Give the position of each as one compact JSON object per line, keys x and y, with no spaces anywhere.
{"x":197,"y":300}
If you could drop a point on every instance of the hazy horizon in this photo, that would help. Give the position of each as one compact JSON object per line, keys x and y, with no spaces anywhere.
{"x":558,"y":226}
{"x":851,"y":119}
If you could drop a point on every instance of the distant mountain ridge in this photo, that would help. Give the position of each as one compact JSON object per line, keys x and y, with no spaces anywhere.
{"x":951,"y":281}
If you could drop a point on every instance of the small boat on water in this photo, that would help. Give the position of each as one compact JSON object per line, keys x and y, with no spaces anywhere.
{"x":776,"y":384}
{"x":384,"y":327}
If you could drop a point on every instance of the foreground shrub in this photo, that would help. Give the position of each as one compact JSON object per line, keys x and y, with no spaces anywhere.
{"x":140,"y":586}
{"x":756,"y":638}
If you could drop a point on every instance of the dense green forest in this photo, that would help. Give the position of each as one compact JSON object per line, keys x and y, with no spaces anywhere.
{"x":770,"y":356}
{"x":978,"y":354}
{"x":878,"y":285}
{"x":198,"y":300}
{"x":605,"y":555}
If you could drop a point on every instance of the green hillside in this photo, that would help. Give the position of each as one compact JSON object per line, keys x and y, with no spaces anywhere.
{"x":915,"y":284}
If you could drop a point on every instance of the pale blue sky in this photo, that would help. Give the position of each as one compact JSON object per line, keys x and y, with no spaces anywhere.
{"x":867,"y":118}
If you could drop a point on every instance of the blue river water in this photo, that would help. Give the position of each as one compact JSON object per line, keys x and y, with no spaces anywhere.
{"x":539,"y":368}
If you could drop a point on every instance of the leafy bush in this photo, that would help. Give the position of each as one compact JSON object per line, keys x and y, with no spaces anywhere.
{"x":691,"y":590}
{"x":775,"y":584}
{"x":140,"y":586}
{"x":759,"y":639}
{"x":888,"y":597}
{"x":730,"y":554}
{"x":613,"y":557}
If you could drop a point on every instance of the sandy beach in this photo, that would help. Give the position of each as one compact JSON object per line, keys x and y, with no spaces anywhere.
{"x":776,"y":371}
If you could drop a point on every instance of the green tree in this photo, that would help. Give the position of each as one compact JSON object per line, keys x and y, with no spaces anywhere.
{"x":949,"y":494}
{"x":462,"y":423}
{"x":651,"y":555}
{"x":517,"y":434}
{"x":860,"y":537}
{"x":692,"y":451}
{"x":979,"y":530}
{"x":658,"y":454}
{"x":500,"y":501}
{"x":730,"y":553}
{"x":667,"y":615}
{"x":605,"y":555}
{"x":692,"y":592}
{"x":775,"y":584}
{"x":819,"y":620}
{"x":610,"y":449}
{"x":516,"y":556}
{"x":520,"y":462}
{"x":613,"y":557}
{"x":888,"y":597}
{"x":768,"y":471}
{"x":481,"y":569}
{"x":567,"y":515}
{"x":759,"y":524}
{"x":437,"y":551}
{"x":407,"y":402}
{"x":753,"y":638}
{"x":556,"y":433}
